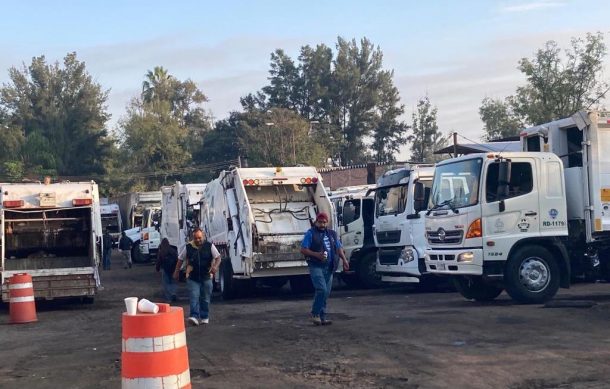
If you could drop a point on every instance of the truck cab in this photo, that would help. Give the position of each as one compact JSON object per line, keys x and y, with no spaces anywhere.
{"x":111,"y":221}
{"x":401,"y":198}
{"x":500,"y":222}
{"x":355,"y":208}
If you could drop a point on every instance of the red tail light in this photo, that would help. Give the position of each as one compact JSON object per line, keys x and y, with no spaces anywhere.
{"x":245,"y":182}
{"x":12,"y":203}
{"x":82,"y":202}
{"x":314,"y":180}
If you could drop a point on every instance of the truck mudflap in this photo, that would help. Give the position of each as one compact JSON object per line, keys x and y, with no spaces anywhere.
{"x":50,"y":287}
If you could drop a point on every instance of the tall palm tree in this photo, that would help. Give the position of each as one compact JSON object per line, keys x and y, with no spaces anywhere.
{"x":157,"y":85}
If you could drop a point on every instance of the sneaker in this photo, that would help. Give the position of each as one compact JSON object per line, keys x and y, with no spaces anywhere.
{"x":316,"y":320}
{"x":193,"y":321}
{"x":204,"y":321}
{"x":326,"y":322}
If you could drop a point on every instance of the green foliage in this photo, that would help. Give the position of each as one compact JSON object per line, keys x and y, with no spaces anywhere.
{"x":425,"y":137}
{"x":558,"y":85}
{"x":499,"y":119}
{"x":279,"y":137}
{"x":350,"y":97}
{"x":162,"y":129}
{"x":57,"y":116}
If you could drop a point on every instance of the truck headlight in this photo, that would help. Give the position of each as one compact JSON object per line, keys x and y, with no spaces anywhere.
{"x":406,"y":255}
{"x":466,"y":257}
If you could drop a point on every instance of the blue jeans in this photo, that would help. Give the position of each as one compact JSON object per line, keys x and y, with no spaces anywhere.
{"x":106,"y":259}
{"x":200,"y":295}
{"x":169,"y":286}
{"x":322,"y":280}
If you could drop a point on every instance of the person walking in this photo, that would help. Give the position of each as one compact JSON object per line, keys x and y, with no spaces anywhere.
{"x":202,"y":262}
{"x":323,"y":249}
{"x":125,"y":246}
{"x":107,"y":250}
{"x":167,"y":258}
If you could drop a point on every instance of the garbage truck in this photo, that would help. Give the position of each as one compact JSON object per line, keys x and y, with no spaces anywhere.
{"x":401,"y":197}
{"x":52,"y":231}
{"x":257,"y":218}
{"x":111,"y":221}
{"x":355,"y":209}
{"x":525,"y":222}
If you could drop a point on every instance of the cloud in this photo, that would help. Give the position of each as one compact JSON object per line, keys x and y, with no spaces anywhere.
{"x":532,"y":6}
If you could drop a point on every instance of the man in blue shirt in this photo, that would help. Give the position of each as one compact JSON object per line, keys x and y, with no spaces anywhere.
{"x":323,"y":249}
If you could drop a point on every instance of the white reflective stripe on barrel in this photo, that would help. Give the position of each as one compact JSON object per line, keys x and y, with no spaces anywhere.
{"x":169,"y":382}
{"x":23,"y":285}
{"x":25,"y":299}
{"x":156,"y":344}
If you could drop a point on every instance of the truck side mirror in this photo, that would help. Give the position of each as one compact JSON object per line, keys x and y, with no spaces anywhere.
{"x":504,"y":168}
{"x":419,"y":197}
{"x":346,"y":228}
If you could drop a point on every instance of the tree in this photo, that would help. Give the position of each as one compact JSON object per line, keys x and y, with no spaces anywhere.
{"x":346,"y":95}
{"x":279,"y":137}
{"x":425,"y":137}
{"x":163,"y":128}
{"x":58,"y":114}
{"x":389,"y":133}
{"x":558,"y":85}
{"x":499,"y":119}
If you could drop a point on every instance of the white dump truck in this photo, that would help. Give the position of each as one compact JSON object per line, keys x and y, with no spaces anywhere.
{"x":401,"y":198}
{"x":528,"y":221}
{"x":257,"y":218}
{"x":52,"y":232}
{"x":111,"y":221}
{"x":355,"y":207}
{"x":174,"y":225}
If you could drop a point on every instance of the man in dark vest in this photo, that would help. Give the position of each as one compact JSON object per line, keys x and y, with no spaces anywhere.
{"x":323,"y":249}
{"x":202,"y":262}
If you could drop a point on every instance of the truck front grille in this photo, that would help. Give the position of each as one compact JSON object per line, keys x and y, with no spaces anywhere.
{"x":445,"y":236}
{"x":389,"y":257}
{"x":388,"y":237}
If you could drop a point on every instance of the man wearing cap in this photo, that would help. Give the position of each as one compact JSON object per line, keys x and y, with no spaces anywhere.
{"x":323,"y":249}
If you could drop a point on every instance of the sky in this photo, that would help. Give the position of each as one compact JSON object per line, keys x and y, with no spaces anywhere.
{"x":455,"y":52}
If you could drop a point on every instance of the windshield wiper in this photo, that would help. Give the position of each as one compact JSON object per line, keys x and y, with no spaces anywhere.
{"x":448,"y":202}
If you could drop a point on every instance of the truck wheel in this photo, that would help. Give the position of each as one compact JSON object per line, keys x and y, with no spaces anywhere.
{"x":301,"y":285}
{"x":136,"y":255}
{"x":228,"y":286}
{"x":476,"y":289}
{"x":367,"y":272}
{"x":532,"y":275}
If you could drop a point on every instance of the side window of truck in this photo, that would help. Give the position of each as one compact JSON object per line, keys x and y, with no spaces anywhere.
{"x":521,"y":181}
{"x":351,"y":211}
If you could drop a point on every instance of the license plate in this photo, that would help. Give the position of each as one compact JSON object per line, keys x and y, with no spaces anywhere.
{"x":440,"y":266}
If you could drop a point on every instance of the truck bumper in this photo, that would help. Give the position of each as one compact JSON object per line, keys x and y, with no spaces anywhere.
{"x":455,"y":262}
{"x":393,"y":266}
{"x":49,"y":287}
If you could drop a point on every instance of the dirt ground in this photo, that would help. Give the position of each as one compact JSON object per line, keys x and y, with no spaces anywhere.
{"x":387,"y":338}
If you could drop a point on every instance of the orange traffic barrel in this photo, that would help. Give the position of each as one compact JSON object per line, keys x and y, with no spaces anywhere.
{"x":21,"y":299}
{"x":154,"y":351}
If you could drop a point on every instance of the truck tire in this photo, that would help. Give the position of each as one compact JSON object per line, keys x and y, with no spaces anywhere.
{"x":531,"y":275}
{"x":367,"y":272}
{"x":136,"y":255}
{"x":228,"y":285}
{"x":476,"y":288}
{"x":301,"y":285}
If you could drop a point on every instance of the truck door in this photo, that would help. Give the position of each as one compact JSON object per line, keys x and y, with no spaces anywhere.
{"x":513,"y":215}
{"x":352,"y":235}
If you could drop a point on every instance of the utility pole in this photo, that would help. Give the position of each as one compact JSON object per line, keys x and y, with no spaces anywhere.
{"x":455,"y":144}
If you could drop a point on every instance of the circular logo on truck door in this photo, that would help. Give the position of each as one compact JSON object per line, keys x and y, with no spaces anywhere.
{"x":553,"y":213}
{"x":441,"y":234}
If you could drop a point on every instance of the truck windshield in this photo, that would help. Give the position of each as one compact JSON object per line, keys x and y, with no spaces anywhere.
{"x":110,"y":222}
{"x":456,"y":184}
{"x":391,"y":200}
